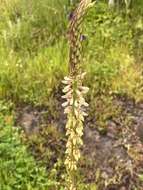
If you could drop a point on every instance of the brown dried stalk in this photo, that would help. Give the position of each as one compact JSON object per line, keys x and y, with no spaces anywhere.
{"x":75,"y":35}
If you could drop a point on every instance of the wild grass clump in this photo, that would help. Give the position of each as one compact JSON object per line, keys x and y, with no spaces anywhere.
{"x":35,"y":79}
{"x":28,"y":27}
{"x":30,"y":39}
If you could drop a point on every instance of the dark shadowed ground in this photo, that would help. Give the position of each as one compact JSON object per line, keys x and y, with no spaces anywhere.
{"x":113,"y":159}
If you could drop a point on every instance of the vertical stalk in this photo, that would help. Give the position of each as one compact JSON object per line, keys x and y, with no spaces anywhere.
{"x":74,"y":94}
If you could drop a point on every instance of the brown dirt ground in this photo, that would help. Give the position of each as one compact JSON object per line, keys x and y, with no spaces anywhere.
{"x":113,"y":159}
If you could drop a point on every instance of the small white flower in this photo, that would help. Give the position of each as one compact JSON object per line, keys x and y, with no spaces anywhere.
{"x":68,"y":95}
{"x":66,"y":89}
{"x":84,"y":89}
{"x":67,"y":78}
{"x":81,"y":100}
{"x":65,"y":104}
{"x":65,"y":82}
{"x":84,"y":113}
{"x":83,"y":75}
{"x":85,"y":104}
{"x":64,"y":97}
{"x":78,"y":92}
{"x":67,"y":110}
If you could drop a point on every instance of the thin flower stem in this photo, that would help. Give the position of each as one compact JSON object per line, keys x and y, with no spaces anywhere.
{"x":74,"y":95}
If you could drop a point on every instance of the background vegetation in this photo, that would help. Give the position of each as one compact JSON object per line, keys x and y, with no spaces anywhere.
{"x":33,"y":61}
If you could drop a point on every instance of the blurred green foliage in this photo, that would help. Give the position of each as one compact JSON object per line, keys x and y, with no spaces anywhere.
{"x":33,"y":61}
{"x":32,"y":79}
{"x":18,"y":169}
{"x":34,"y":50}
{"x":29,"y":27}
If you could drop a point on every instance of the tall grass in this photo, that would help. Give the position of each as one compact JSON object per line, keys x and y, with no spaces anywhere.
{"x":33,"y":50}
{"x":34,"y":25}
{"x":32,"y":79}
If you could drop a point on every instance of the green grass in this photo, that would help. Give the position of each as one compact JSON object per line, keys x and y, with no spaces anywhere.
{"x":32,"y":79}
{"x":34,"y":51}
{"x":18,"y":169}
{"x":34,"y":60}
{"x":33,"y":26}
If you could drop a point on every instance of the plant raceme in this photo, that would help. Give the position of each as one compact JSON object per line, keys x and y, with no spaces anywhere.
{"x":75,"y":103}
